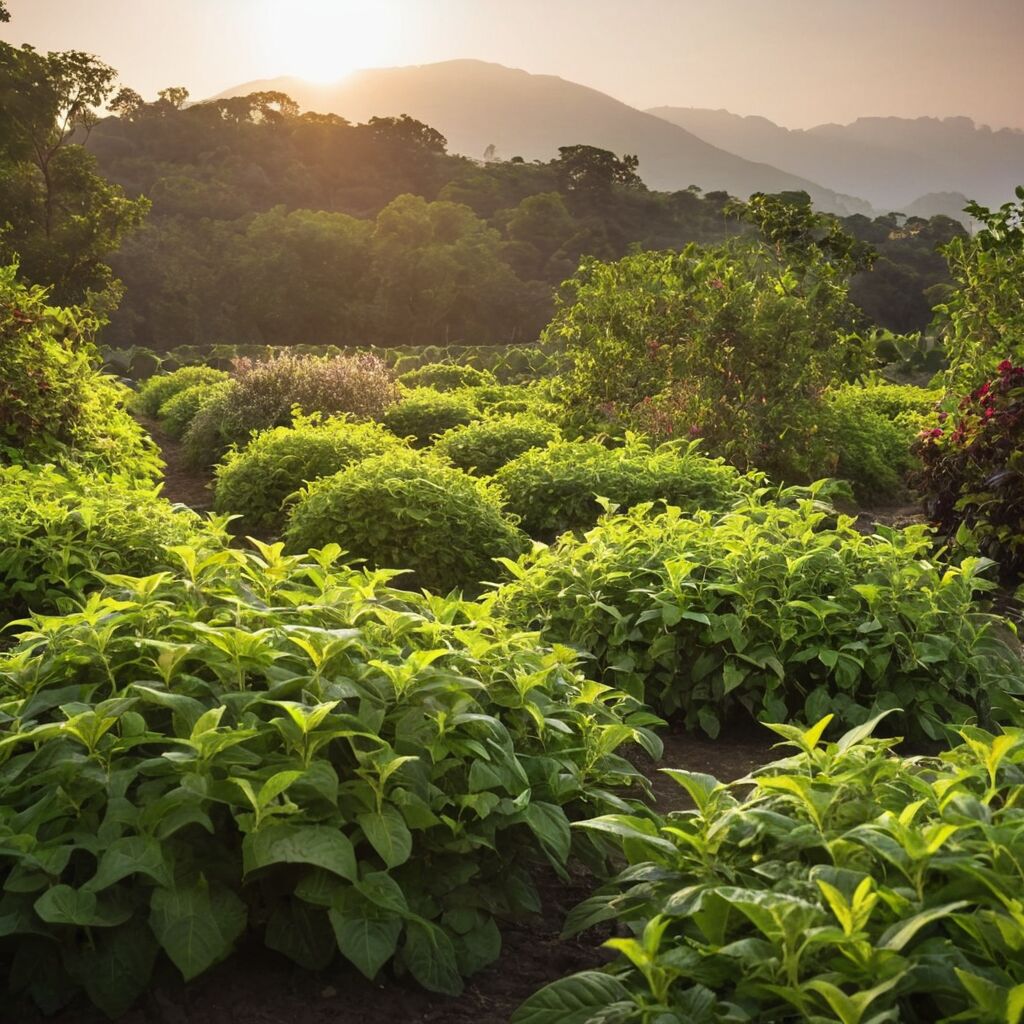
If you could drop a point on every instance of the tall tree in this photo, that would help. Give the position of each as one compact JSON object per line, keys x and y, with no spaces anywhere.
{"x":59,"y":216}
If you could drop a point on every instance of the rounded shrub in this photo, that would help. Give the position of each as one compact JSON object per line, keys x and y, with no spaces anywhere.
{"x":157,"y":391}
{"x":446,"y":377}
{"x":424,"y":413}
{"x":254,"y":481}
{"x":774,"y":612}
{"x":57,"y":532}
{"x":177,"y":413}
{"x":485,"y":445}
{"x":557,"y":488}
{"x":407,"y":510}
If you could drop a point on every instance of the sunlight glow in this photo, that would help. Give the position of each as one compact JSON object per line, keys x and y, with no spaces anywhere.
{"x":325,"y":40}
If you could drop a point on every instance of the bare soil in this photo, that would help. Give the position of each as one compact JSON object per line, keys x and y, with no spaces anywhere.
{"x":182,"y":484}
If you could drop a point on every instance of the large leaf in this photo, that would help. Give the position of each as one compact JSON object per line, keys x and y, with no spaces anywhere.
{"x":302,"y":933}
{"x":579,"y":999}
{"x":430,"y":957}
{"x":196,"y":925}
{"x":388,"y":834}
{"x":115,"y":967}
{"x":551,"y":827}
{"x":319,"y":845}
{"x":367,"y":941}
{"x":130,"y":855}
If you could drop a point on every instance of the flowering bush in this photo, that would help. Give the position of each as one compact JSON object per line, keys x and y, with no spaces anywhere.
{"x":974,"y":469}
{"x":263,"y":394}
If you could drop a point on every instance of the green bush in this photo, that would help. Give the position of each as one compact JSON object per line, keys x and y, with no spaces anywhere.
{"x":871,"y":431}
{"x":177,"y":413}
{"x":423,"y":413}
{"x":505,"y":399}
{"x":208,"y":435}
{"x":254,"y":481}
{"x":54,"y":405}
{"x":847,"y":884}
{"x":154,"y":394}
{"x":446,"y":377}
{"x":286,"y":747}
{"x":406,"y":510}
{"x":57,"y":532}
{"x":556,"y":488}
{"x":773,"y":612}
{"x":486,"y":445}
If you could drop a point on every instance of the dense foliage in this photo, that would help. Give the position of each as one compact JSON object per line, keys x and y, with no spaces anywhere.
{"x":446,"y":377}
{"x":982,"y":320}
{"x":733,"y":343}
{"x":871,"y":431}
{"x":54,"y":405}
{"x":58,"y":533}
{"x":846,"y":885}
{"x":253,"y":482}
{"x":156,"y":391}
{"x":973,"y":468}
{"x":486,"y":445}
{"x":561,"y":487}
{"x":773,"y":611}
{"x":408,"y":510}
{"x":278,"y":744}
{"x":423,"y":413}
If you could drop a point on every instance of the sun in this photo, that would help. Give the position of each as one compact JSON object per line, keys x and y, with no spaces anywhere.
{"x":325,"y":40}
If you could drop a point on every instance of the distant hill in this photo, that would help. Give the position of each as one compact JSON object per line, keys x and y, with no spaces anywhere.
{"x":476,"y":105}
{"x":890,"y":161}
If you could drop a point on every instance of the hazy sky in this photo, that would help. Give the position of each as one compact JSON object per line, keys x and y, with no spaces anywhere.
{"x":799,"y":62}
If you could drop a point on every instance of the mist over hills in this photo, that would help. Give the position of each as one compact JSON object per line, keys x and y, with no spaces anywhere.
{"x":477,"y":104}
{"x":895,"y":163}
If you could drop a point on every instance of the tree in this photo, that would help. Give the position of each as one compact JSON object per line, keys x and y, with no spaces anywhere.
{"x":62,"y":217}
{"x":593,"y":172}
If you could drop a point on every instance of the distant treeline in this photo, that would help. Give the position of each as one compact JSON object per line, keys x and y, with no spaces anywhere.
{"x":269,"y":226}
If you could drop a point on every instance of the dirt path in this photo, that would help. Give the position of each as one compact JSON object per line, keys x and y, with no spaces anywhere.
{"x":182,"y":483}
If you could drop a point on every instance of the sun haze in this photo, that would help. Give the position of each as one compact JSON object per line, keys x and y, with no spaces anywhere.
{"x":799,"y":62}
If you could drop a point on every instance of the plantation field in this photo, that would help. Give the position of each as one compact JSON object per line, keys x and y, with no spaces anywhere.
{"x":574,"y":684}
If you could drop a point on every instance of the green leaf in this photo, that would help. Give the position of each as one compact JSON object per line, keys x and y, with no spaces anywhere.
{"x":319,"y":845}
{"x":369,"y":941}
{"x":430,"y":957}
{"x":196,"y":924}
{"x":64,"y":905}
{"x":130,"y":855}
{"x":115,"y":967}
{"x":551,"y":826}
{"x":577,"y":999}
{"x":388,"y":834}
{"x":302,"y":933}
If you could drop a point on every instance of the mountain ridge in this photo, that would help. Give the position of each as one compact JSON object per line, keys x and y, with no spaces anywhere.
{"x":476,"y":104}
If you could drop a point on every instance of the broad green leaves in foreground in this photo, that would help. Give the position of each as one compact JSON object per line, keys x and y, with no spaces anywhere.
{"x":848,"y":885}
{"x":273,"y":743}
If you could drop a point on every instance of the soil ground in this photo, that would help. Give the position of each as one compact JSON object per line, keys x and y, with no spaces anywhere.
{"x":182,"y":483}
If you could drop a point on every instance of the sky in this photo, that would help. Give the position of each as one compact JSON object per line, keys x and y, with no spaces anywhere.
{"x":798,"y":62}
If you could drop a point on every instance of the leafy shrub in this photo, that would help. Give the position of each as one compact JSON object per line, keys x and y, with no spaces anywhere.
{"x":208,"y":435}
{"x":254,"y":481}
{"x":505,"y":399}
{"x":264,"y":394}
{"x":846,"y":885}
{"x":407,"y":510}
{"x":58,"y":532}
{"x":446,"y":377}
{"x":177,"y":413}
{"x":773,"y":612}
{"x":556,"y":488}
{"x":733,"y":343}
{"x":424,"y":413}
{"x":54,"y":405}
{"x":973,"y":472}
{"x":486,"y":445}
{"x":282,"y":745}
{"x":157,"y":391}
{"x":872,"y":430}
